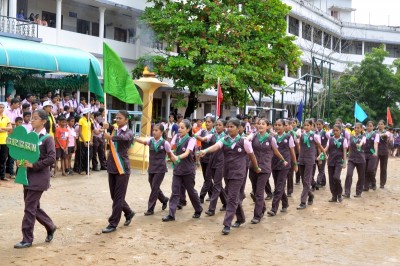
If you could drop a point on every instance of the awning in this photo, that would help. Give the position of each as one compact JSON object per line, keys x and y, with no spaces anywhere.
{"x":45,"y":57}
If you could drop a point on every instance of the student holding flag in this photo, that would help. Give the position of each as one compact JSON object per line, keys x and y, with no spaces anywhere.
{"x":118,"y":168}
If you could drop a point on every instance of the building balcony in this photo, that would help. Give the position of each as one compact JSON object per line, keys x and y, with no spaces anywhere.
{"x":16,"y":28}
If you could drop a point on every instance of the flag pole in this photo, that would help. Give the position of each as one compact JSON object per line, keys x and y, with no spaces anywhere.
{"x":89,"y":126}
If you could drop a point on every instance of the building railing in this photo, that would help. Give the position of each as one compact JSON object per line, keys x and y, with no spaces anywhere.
{"x":18,"y":27}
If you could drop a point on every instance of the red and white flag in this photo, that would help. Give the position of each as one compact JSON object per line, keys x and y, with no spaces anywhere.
{"x":220,"y":98}
{"x":389,"y":117}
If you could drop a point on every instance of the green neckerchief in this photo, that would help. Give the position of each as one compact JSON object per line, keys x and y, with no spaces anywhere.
{"x":220,"y":136}
{"x":243,"y":135}
{"x":369,"y":135}
{"x":279,"y":139}
{"x":116,"y":150}
{"x":179,"y":143}
{"x":212,"y":131}
{"x":337,"y":142}
{"x":263,"y":138}
{"x":294,"y":134}
{"x":306,"y":138}
{"x":156,"y":145}
{"x":380,"y":137}
{"x":322,"y":133}
{"x":355,"y":141}
{"x":229,"y":143}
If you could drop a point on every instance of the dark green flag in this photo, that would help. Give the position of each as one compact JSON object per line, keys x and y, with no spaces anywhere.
{"x":94,"y":84}
{"x":117,"y":81}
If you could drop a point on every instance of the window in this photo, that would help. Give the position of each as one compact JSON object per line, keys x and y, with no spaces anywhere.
{"x":394,"y":50}
{"x":335,"y":14}
{"x":51,"y":19}
{"x":294,"y":26}
{"x":335,"y":44}
{"x":83,"y":26}
{"x":95,"y":29}
{"x":351,"y":47}
{"x":327,"y":40}
{"x":158,"y":45}
{"x":305,"y":69}
{"x":369,"y":45}
{"x":307,"y":30}
{"x":120,"y":34}
{"x":317,"y":36}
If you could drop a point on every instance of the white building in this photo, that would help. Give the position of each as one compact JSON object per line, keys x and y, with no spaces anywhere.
{"x":323,"y":29}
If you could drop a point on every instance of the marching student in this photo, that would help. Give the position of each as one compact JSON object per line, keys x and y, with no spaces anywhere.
{"x":38,"y":175}
{"x":204,"y":144}
{"x":295,"y":122}
{"x":356,"y":160}
{"x":325,"y":136}
{"x":289,"y":130}
{"x":99,"y":161}
{"x":336,"y":149}
{"x":282,"y":161}
{"x":383,"y":152}
{"x":118,"y":168}
{"x":371,"y":156}
{"x":158,"y":149}
{"x":264,"y":146}
{"x":184,"y":171}
{"x":308,"y":142}
{"x":71,"y":143}
{"x":235,"y":150}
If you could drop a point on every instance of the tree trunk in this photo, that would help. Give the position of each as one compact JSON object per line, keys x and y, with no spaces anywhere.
{"x":192,"y":104}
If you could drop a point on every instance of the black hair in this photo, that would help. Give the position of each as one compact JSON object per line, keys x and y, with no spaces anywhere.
{"x":66,"y":94}
{"x":66,"y":107}
{"x":82,"y":99}
{"x":161,"y":128}
{"x":179,"y":116}
{"x":320,"y":121}
{"x":17,"y":119}
{"x":61,"y":118}
{"x":188,"y":125}
{"x":370,"y":122}
{"x":223,"y":121}
{"x":26,"y":113}
{"x":236,"y":122}
{"x":54,"y":96}
{"x":70,"y":118}
{"x":227,"y":118}
{"x":265,"y":120}
{"x":383,"y":122}
{"x":8,"y":95}
{"x":338,"y":126}
{"x":358,"y":124}
{"x":42,"y":114}
{"x":101,"y":109}
{"x":124,"y":113}
{"x":14,"y":100}
{"x":211,"y":118}
{"x":280,"y":120}
{"x":96,"y":114}
{"x":309,"y":121}
{"x":26,"y":105}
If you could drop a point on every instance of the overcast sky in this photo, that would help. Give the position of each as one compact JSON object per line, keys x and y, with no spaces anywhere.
{"x":377,"y":12}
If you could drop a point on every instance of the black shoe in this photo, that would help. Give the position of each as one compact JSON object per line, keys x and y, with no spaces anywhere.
{"x":366,"y":189}
{"x":168,"y":218}
{"x":357,"y":195}
{"x":382,"y":186}
{"x":237,"y":224}
{"x":255,"y":221}
{"x":297,"y":183}
{"x":208,"y":199}
{"x":197,"y":215}
{"x":284,"y":209}
{"x":374,"y":188}
{"x":103,"y":168}
{"x":226,"y":230}
{"x":50,"y":235}
{"x":201,"y":200}
{"x":302,"y":206}
{"x":340,"y":199}
{"x":23,"y":245}
{"x":129,"y":218}
{"x":148,"y":213}
{"x":108,"y":229}
{"x":210,"y":213}
{"x":253,"y":197}
{"x":179,"y":207}
{"x":271,"y":213}
{"x":310,"y":200}
{"x":289,"y":195}
{"x":223,"y":208}
{"x":269,"y":197}
{"x":6,"y":179}
{"x":333,"y":199}
{"x":165,"y":204}
{"x":347,"y":196}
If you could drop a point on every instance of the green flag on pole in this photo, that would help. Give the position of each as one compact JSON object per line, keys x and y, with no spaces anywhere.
{"x":94,"y":84}
{"x":117,"y":81}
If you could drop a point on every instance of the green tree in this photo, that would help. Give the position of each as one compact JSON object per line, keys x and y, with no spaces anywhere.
{"x":374,"y":85}
{"x":241,"y":42}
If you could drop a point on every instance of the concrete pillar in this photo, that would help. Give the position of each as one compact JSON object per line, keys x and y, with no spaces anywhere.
{"x":4,"y":8}
{"x":167,"y":104}
{"x":363,"y":48}
{"x":102,"y":11}
{"x":12,"y":8}
{"x":58,"y":19}
{"x":300,"y":29}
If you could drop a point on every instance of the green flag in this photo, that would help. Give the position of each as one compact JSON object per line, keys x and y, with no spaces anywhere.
{"x":117,"y":81}
{"x":94,"y":84}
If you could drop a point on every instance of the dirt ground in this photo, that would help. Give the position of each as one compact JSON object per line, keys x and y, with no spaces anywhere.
{"x":363,"y":231}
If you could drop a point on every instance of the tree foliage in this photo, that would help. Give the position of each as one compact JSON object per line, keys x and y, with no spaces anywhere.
{"x":374,"y":85}
{"x":241,"y":42}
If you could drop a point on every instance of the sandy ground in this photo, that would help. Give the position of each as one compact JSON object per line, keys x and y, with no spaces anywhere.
{"x":363,"y":231}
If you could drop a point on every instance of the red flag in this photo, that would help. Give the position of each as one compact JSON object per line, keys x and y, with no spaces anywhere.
{"x":389,"y":117}
{"x":220,"y":97}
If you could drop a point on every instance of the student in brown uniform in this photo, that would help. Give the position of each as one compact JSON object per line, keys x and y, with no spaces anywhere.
{"x":236,"y":149}
{"x":281,"y":166}
{"x":215,"y":168}
{"x":336,"y":149}
{"x":158,"y":148}
{"x":383,"y":152}
{"x":264,"y":147}
{"x":356,"y":160}
{"x":308,"y":142}
{"x":184,"y":171}
{"x":38,"y":175}
{"x":371,"y":156}
{"x":118,"y":168}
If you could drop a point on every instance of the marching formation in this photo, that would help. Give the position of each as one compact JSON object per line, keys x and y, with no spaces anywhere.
{"x":228,"y":151}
